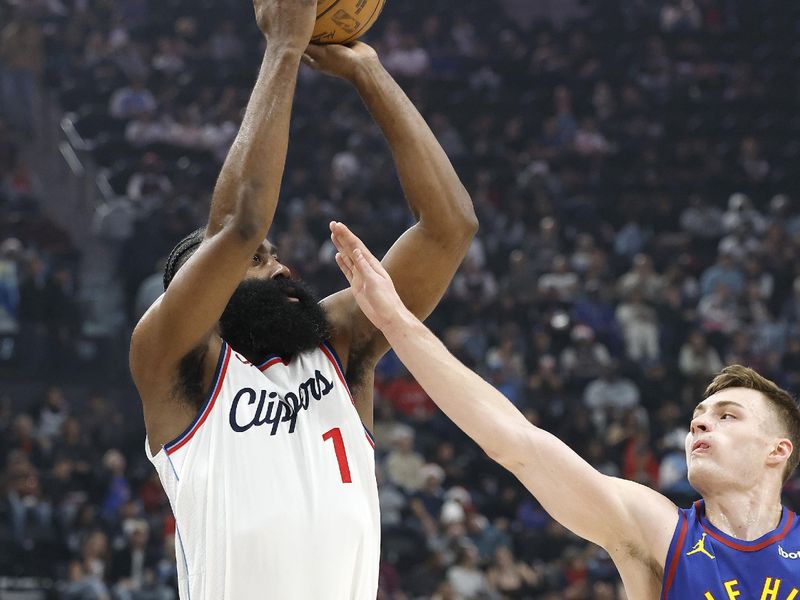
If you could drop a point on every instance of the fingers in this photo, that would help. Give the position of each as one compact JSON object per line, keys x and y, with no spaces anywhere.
{"x":373,"y":262}
{"x":345,"y":265}
{"x":360,"y":262}
{"x":344,"y":239}
{"x":316,"y":51}
{"x":359,"y":46}
{"x":348,"y":243}
{"x":314,"y":56}
{"x":352,"y":252}
{"x":312,"y":50}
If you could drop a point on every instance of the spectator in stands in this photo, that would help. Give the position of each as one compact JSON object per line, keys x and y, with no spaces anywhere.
{"x":724,"y":272}
{"x":474,"y":285}
{"x":510,"y":577}
{"x":130,"y":564}
{"x":169,"y":57}
{"x":23,"y":442}
{"x":589,"y":140}
{"x":507,"y":367}
{"x":560,"y":283}
{"x":741,"y":213}
{"x":408,"y":398}
{"x":145,"y":129}
{"x":149,"y":186}
{"x":639,"y":324}
{"x":226,"y":45}
{"x":21,"y":65}
{"x":701,"y":219}
{"x":117,"y":489}
{"x":740,"y":244}
{"x":87,"y":575}
{"x":10,"y":255}
{"x":642,"y":277}
{"x":468,"y":581}
{"x":520,"y":282}
{"x":407,"y":59}
{"x":586,"y":358}
{"x":403,"y":464}
{"x":719,"y":311}
{"x":29,"y":512}
{"x":698,"y":360}
{"x":132,"y":100}
{"x":610,"y":395}
{"x":52,"y":414}
{"x":681,"y":15}
{"x":791,"y":306}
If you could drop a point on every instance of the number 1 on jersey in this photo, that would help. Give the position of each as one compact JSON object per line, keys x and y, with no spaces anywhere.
{"x":335,"y":434}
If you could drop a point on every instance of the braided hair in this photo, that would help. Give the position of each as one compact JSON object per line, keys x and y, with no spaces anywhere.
{"x":181,"y":253}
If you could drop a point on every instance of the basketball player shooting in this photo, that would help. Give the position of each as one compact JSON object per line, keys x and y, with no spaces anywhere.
{"x":738,"y":542}
{"x":257,"y":398}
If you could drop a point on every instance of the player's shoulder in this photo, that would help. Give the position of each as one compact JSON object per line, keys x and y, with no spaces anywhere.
{"x":637,"y":494}
{"x":147,"y":327}
{"x":140,"y":351}
{"x":153,"y":369}
{"x":342,"y":313}
{"x":652,"y":519}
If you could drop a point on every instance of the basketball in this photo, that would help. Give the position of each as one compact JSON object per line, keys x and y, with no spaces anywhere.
{"x":342,"y":21}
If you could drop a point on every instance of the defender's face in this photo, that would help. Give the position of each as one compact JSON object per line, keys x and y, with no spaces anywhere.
{"x":730,"y":437}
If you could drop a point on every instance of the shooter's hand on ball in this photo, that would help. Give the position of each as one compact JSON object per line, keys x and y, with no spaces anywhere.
{"x":370,"y":283}
{"x":286,"y":23}
{"x":341,"y":61}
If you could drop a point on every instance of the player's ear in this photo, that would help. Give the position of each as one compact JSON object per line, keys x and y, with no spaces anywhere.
{"x":781,"y":452}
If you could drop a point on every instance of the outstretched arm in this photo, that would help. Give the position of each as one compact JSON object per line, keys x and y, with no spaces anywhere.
{"x":242,"y":208}
{"x":184,"y":319}
{"x":608,"y":511}
{"x":425,"y":258}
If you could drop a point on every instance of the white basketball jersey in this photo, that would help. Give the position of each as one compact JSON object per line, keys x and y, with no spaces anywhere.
{"x":273,"y":486}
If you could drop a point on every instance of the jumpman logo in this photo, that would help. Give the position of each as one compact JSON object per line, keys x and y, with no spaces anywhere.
{"x":700,"y":547}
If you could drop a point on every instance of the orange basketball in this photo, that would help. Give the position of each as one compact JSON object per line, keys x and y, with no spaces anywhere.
{"x":342,"y":21}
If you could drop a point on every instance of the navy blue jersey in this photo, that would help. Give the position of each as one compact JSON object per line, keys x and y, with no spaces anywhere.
{"x":706,"y":564}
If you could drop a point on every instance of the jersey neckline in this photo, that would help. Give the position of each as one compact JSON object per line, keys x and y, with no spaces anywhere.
{"x":769,"y":538}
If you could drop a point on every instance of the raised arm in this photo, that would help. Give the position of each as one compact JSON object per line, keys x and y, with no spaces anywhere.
{"x":242,"y":207}
{"x":619,"y":515}
{"x":425,"y":258}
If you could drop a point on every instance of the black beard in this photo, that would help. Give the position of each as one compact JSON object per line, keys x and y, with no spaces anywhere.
{"x":260,"y":320}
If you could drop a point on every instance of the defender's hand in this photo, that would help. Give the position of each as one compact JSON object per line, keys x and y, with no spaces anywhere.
{"x":371,"y":285}
{"x":339,"y":60}
{"x":287,"y":23}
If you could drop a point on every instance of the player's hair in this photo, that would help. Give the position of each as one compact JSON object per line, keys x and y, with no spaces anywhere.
{"x":181,"y":253}
{"x":783,"y":404}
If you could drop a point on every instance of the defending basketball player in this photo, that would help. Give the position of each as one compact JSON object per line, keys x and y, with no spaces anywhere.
{"x":739,"y":542}
{"x":258,"y":399}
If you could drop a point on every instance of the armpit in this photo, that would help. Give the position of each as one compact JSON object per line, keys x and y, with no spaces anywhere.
{"x":189,"y":387}
{"x":639,"y":554}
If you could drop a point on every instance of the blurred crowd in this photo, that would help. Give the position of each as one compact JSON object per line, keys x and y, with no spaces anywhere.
{"x":39,"y":307}
{"x":633,"y":175}
{"x":38,"y":261}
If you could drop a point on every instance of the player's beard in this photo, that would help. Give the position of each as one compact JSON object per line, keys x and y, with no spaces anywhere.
{"x":260,"y":320}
